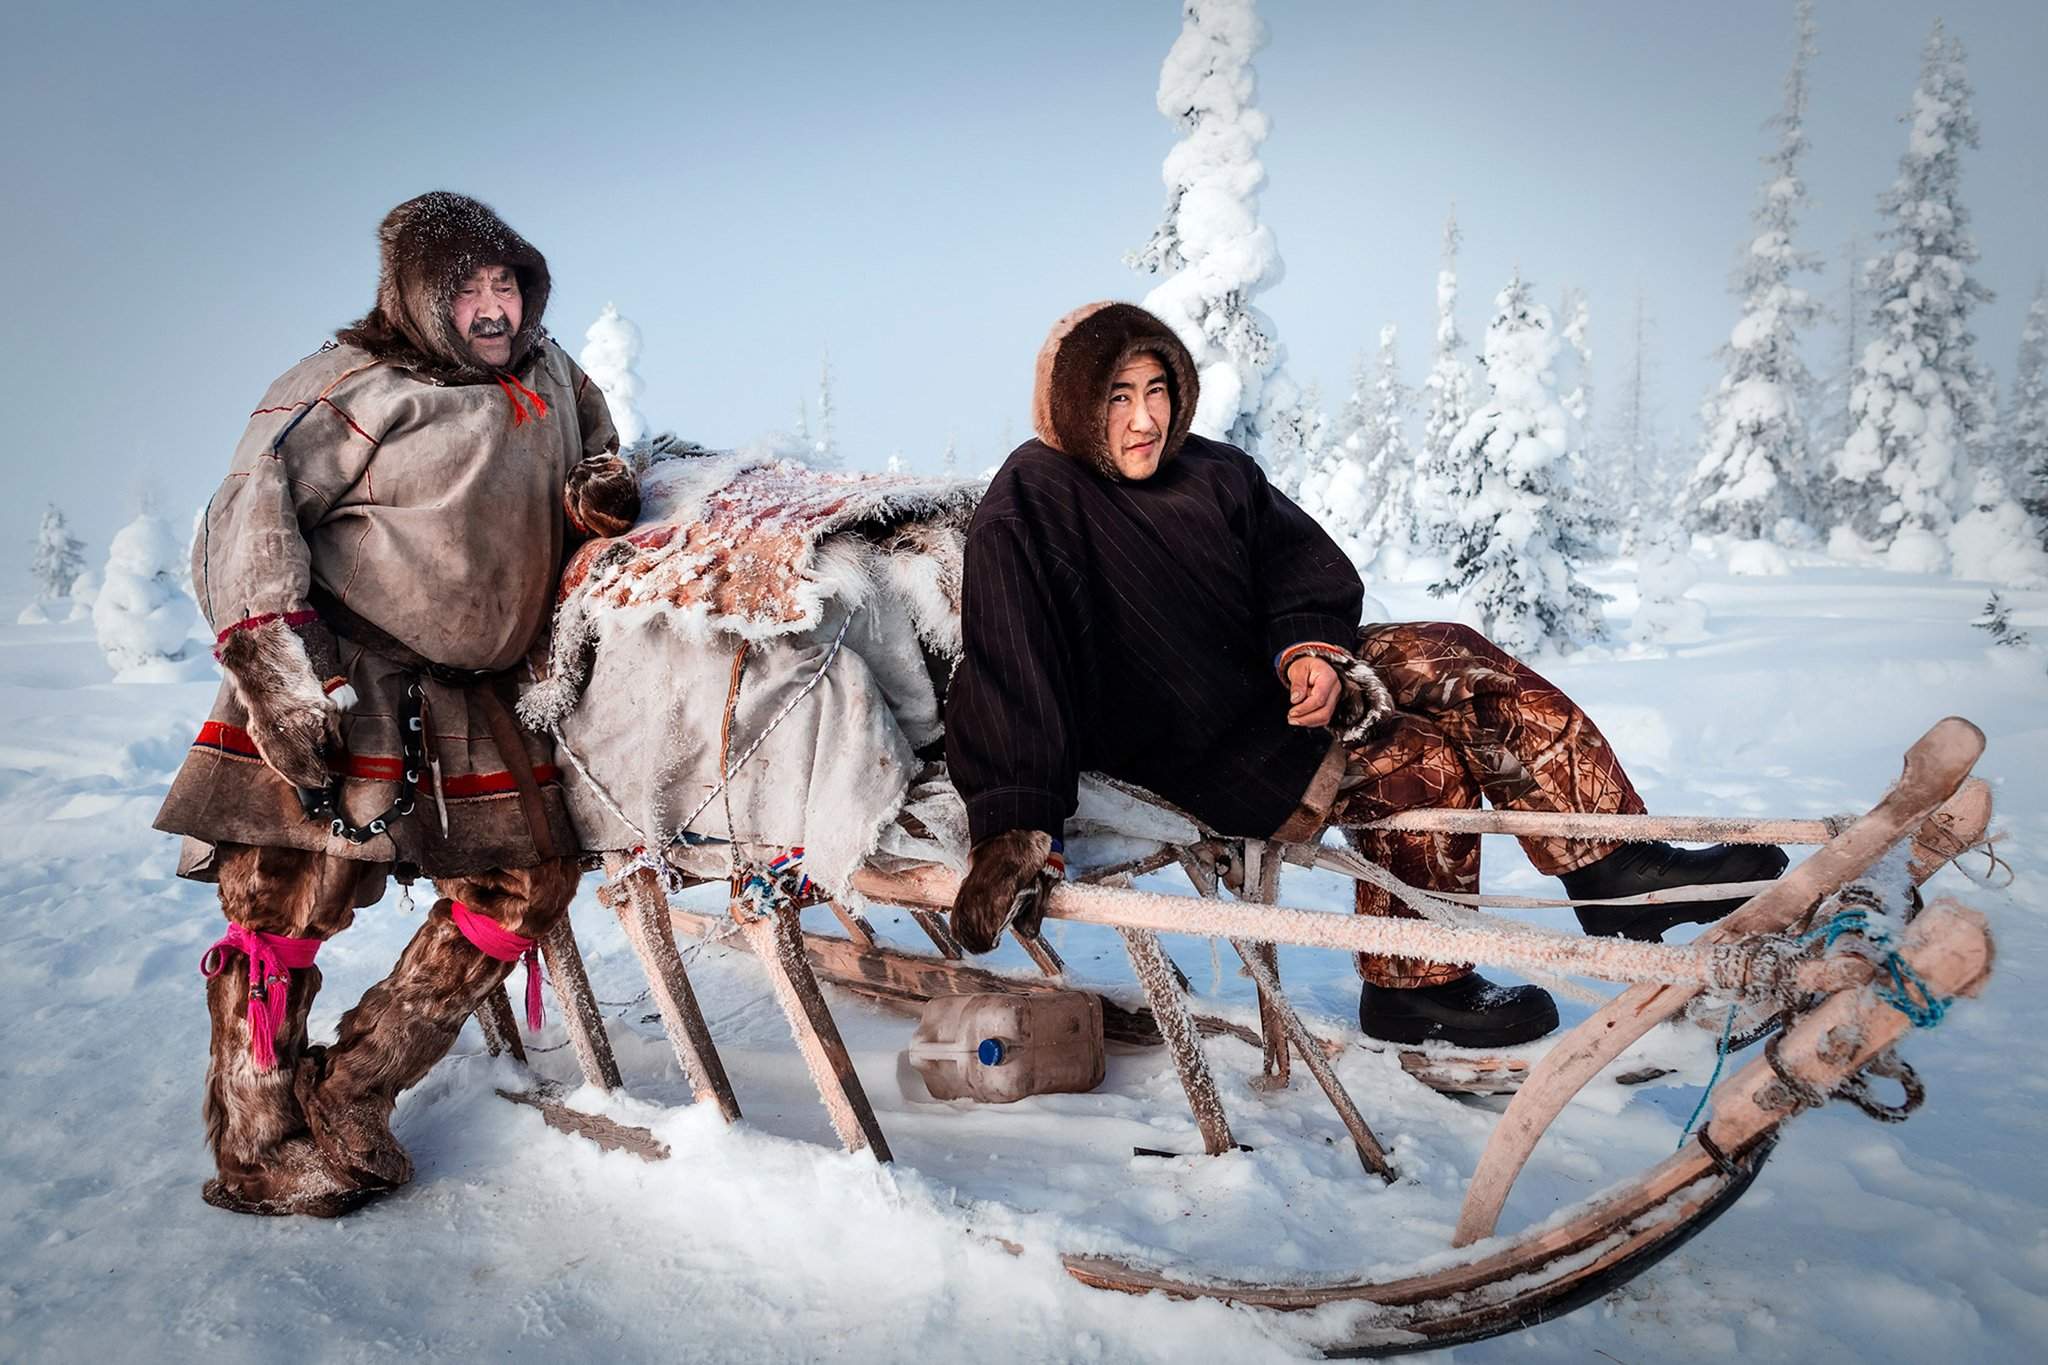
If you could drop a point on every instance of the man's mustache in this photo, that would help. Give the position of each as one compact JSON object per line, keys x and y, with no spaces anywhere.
{"x":489,"y":327}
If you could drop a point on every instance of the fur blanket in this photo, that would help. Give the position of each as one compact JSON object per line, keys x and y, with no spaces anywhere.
{"x":845,"y":584}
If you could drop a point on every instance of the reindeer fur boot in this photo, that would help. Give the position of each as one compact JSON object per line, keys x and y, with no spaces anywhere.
{"x":266,"y":1160}
{"x":407,"y":1022}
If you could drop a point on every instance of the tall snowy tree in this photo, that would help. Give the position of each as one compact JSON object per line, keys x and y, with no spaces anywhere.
{"x":1822,"y":497}
{"x":825,"y":444}
{"x":1518,"y":540}
{"x":611,"y":349}
{"x":1212,"y":249}
{"x":1380,"y":443}
{"x":1298,"y":447}
{"x":1449,"y":404}
{"x":1634,"y":457}
{"x":1921,"y":402}
{"x":58,"y":559}
{"x":1754,"y":455}
{"x":2026,"y":416}
{"x":949,"y":460}
{"x":1574,"y":384}
{"x":139,"y":616}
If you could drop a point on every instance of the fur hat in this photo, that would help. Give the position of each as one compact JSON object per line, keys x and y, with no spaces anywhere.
{"x":429,"y":246}
{"x":1070,"y":396}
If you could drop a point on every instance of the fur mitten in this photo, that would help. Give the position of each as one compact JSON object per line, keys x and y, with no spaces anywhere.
{"x":1007,"y":873}
{"x":1362,"y":701}
{"x":602,"y":497}
{"x":294,"y":708}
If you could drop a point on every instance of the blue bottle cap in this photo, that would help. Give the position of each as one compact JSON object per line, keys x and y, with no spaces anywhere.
{"x":990,"y":1052}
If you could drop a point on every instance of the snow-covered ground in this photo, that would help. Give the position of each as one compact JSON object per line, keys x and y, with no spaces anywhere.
{"x":763,"y":1242}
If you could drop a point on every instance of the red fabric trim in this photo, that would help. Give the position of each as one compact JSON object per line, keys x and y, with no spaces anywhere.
{"x":1307,"y":648}
{"x":286,"y":408}
{"x":348,"y":419}
{"x":333,"y":685}
{"x":233,"y":739}
{"x":290,"y":618}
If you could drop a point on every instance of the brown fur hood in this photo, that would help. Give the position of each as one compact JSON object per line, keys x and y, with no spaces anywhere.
{"x":429,"y":246}
{"x":1070,"y":396}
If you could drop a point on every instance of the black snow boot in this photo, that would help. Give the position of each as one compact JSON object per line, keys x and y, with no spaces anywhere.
{"x":1634,"y":869}
{"x":1468,"y":1012}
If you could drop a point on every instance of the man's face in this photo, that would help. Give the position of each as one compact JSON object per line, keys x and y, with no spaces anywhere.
{"x":1140,"y":410}
{"x":487,"y":313}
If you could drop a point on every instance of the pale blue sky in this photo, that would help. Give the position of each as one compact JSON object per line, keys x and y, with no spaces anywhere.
{"x":193,"y":192}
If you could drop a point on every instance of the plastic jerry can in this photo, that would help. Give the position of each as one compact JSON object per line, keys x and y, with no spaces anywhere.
{"x":998,"y":1048}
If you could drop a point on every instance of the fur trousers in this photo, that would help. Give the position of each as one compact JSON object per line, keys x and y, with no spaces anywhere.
{"x":302,"y":1135}
{"x":1472,"y":722}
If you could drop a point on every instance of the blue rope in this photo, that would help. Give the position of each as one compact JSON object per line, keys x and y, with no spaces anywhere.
{"x":1907,"y":994}
{"x":1720,"y":1060}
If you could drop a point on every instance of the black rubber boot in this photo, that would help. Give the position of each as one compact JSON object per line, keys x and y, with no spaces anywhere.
{"x":1634,"y":869}
{"x":1468,"y":1012}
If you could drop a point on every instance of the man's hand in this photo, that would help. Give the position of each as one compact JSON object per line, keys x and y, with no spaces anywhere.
{"x":602,"y":497}
{"x":1312,"y":692}
{"x":1006,"y":875}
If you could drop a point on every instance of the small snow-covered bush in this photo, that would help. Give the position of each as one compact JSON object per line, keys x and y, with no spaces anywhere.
{"x":139,"y":615}
{"x":1757,"y":559}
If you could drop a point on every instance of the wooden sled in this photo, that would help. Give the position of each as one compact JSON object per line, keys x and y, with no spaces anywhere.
{"x":1838,"y":1021}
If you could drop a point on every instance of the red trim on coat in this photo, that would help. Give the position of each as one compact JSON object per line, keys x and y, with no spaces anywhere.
{"x":290,"y":618}
{"x":233,"y":739}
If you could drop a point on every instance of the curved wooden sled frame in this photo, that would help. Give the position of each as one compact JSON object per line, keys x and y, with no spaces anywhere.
{"x":1501,"y":1285}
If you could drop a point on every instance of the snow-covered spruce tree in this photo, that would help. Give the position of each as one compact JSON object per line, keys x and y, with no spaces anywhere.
{"x":1518,"y":543}
{"x":1302,"y":460}
{"x":57,"y":561}
{"x":949,"y":459}
{"x":1920,"y":400}
{"x":1995,"y":539}
{"x":1823,"y":496}
{"x":1592,"y":506}
{"x":1665,"y":573}
{"x":139,"y":616}
{"x":1212,"y":249}
{"x":2026,"y":416}
{"x":825,"y":444}
{"x":1381,"y":445}
{"x":1634,"y":458}
{"x":1754,"y":453}
{"x":611,"y":348}
{"x":1449,"y":401}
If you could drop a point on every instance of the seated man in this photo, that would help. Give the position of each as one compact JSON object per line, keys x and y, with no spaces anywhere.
{"x":1140,"y":601}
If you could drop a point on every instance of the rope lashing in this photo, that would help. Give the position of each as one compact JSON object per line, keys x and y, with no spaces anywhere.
{"x":1907,"y":994}
{"x":781,"y":882}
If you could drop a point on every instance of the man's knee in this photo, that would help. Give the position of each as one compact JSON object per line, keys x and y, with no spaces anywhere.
{"x":1409,"y":764}
{"x":291,"y":891}
{"x":526,"y":900}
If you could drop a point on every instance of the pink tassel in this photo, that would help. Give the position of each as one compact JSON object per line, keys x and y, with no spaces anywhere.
{"x":536,"y":1015}
{"x":495,"y":941}
{"x":272,"y":960}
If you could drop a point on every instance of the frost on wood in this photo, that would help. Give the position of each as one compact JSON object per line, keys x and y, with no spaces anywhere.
{"x":1920,"y":400}
{"x":1448,"y":405}
{"x":1212,"y":249}
{"x":611,"y":350}
{"x":139,"y":615}
{"x":1754,"y":454}
{"x":58,"y":559}
{"x":1518,"y":534}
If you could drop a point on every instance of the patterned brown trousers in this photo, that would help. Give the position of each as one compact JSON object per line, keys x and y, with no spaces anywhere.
{"x":1472,"y":722}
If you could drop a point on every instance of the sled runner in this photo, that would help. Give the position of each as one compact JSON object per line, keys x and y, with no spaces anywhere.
{"x":752,"y":673}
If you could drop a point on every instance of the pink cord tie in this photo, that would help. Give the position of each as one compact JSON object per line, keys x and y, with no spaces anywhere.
{"x":272,"y":960}
{"x":494,"y":940}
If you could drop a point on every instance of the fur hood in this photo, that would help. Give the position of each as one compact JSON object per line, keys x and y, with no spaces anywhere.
{"x":428,"y":247}
{"x":1070,"y":393}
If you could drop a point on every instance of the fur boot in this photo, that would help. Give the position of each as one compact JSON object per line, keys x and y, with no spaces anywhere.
{"x":407,"y":1022}
{"x":266,"y":1161}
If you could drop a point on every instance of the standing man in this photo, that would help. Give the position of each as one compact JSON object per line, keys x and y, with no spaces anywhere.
{"x":1139,"y":601}
{"x":379,"y":564}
